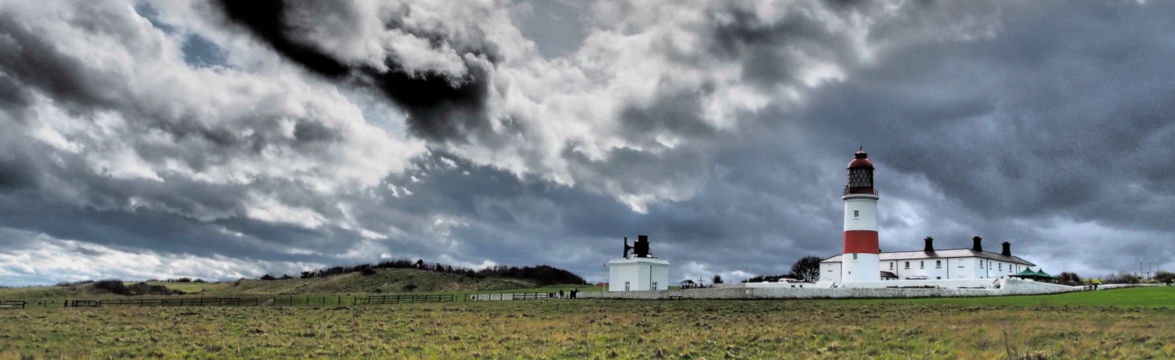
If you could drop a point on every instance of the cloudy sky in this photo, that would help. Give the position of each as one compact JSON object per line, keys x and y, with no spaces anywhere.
{"x":230,"y":139}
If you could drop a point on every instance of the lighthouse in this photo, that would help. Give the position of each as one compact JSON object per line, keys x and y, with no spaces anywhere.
{"x":861,"y":250}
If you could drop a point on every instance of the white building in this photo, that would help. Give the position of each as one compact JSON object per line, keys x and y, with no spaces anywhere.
{"x":639,"y":272}
{"x":932,"y":264}
{"x":862,"y":263}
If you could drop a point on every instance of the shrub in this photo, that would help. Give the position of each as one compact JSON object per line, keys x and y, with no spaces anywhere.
{"x":1122,"y":279}
{"x":1069,"y":278}
{"x":541,"y":274}
{"x":112,"y":286}
{"x":764,"y":278}
{"x":1164,"y":277}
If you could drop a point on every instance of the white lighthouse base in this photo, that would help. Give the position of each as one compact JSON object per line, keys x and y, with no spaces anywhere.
{"x":860,"y":268}
{"x":638,"y":274}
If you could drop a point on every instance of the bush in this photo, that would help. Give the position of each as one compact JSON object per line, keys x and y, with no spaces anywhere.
{"x":764,"y":278}
{"x":541,"y":274}
{"x":1122,"y":279}
{"x":1164,"y":277}
{"x":1069,"y":278}
{"x":112,"y":286}
{"x":268,"y":277}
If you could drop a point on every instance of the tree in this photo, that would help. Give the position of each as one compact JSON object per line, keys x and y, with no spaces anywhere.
{"x":717,"y":279}
{"x":1164,"y":277}
{"x":1069,"y":278}
{"x":806,"y":269}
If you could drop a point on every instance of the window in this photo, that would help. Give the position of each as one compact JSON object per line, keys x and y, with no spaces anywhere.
{"x":856,"y":213}
{"x":938,"y":264}
{"x":625,"y":286}
{"x":980,"y":264}
{"x":907,"y":265}
{"x":654,"y":287}
{"x":1001,"y":266}
{"x":921,"y":264}
{"x":854,"y":256}
{"x":891,"y":265}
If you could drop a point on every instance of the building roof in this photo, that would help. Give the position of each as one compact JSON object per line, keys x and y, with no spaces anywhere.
{"x":942,"y":254}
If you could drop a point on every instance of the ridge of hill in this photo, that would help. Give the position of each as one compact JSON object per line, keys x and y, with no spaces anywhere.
{"x":370,"y":281}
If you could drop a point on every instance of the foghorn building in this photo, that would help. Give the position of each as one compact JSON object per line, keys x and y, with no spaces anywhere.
{"x":863,"y":263}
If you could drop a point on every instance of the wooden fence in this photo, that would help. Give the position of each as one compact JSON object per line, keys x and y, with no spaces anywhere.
{"x":13,"y":304}
{"x":396,"y":299}
{"x":511,"y":296}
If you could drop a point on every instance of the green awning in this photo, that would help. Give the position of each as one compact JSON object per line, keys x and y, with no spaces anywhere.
{"x":1025,"y":273}
{"x":1029,"y":274}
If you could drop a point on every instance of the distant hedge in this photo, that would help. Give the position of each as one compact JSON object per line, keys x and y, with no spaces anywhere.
{"x":117,"y":287}
{"x":541,"y":274}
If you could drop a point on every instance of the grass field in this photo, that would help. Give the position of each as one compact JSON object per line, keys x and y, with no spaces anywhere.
{"x":1113,"y":324}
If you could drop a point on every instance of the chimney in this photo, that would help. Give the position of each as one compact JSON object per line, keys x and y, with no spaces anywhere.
{"x":976,"y":243}
{"x":929,"y":244}
{"x":1007,"y":249}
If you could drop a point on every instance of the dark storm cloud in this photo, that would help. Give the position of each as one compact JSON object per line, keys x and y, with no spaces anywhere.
{"x":441,"y":107}
{"x":34,"y":62}
{"x":1044,"y":124}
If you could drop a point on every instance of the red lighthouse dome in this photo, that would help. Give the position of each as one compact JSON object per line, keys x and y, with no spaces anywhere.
{"x":861,"y":160}
{"x":860,"y":175}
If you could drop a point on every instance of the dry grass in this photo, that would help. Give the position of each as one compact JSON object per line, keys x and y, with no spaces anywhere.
{"x":596,"y":329}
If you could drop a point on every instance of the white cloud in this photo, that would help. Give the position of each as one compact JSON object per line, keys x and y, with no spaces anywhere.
{"x":44,"y":260}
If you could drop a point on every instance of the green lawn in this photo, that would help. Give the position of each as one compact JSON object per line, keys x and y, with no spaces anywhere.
{"x":1128,"y":297}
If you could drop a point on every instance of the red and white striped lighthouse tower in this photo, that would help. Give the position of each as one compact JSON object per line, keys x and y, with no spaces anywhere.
{"x":860,"y":259}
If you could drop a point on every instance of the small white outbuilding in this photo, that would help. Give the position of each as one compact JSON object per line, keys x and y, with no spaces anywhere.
{"x":639,"y":272}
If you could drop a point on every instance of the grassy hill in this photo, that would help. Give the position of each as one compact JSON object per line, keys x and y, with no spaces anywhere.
{"x":381,"y":281}
{"x":376,"y":281}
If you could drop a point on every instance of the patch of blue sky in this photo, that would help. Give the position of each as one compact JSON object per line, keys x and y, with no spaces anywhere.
{"x":148,"y":12}
{"x":198,"y":51}
{"x":378,"y":111}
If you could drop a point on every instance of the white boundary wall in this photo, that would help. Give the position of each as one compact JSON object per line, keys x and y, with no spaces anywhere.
{"x":1005,"y":287}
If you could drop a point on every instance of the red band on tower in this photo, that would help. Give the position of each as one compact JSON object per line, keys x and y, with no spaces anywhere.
{"x":861,"y":241}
